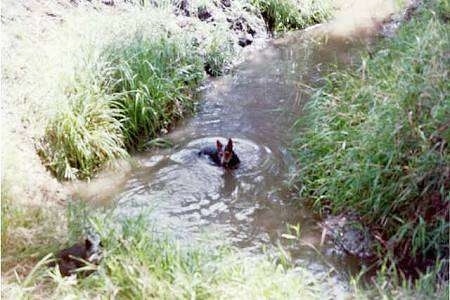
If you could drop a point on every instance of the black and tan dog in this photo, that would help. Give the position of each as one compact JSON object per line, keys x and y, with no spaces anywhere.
{"x":222,"y":156}
{"x":79,"y":255}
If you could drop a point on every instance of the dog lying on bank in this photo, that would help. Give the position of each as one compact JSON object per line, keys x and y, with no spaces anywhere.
{"x":79,"y":255}
{"x":222,"y":156}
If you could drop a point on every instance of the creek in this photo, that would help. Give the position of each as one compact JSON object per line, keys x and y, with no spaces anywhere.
{"x":250,"y":207}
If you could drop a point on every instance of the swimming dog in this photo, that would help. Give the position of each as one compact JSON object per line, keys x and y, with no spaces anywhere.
{"x":223,"y":157}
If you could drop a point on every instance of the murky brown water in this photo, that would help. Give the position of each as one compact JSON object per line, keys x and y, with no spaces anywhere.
{"x":250,"y":207}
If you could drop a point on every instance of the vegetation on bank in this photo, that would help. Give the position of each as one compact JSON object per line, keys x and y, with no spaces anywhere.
{"x":375,"y":141}
{"x":134,"y":90}
{"x":282,"y":15}
{"x":125,"y":91}
{"x":140,"y":263}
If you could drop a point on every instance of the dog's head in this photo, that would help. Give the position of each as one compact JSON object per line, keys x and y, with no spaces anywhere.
{"x":93,"y":249}
{"x":226,"y":154}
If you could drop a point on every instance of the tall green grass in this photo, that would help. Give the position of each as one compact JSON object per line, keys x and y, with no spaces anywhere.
{"x":140,"y":263}
{"x":154,"y":80}
{"x":83,"y":136}
{"x":134,"y":90}
{"x":376,"y":141}
{"x":282,"y":15}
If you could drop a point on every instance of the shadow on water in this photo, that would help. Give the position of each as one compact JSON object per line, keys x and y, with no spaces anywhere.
{"x":256,"y":105}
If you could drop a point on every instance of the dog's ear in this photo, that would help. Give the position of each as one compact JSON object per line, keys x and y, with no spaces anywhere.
{"x":219,"y":145}
{"x":87,"y":244}
{"x":229,"y":146}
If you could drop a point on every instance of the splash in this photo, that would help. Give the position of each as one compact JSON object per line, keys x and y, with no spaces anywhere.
{"x":361,"y":18}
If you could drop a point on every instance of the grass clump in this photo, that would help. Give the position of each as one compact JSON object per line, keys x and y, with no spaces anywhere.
{"x":154,"y":81}
{"x":376,"y":142}
{"x":134,"y":90}
{"x":218,"y":55}
{"x":83,"y":136}
{"x":282,"y":15}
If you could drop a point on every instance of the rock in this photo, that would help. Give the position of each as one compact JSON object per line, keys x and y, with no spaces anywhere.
{"x":245,"y":40}
{"x":204,"y":14}
{"x":183,"y":7}
{"x":108,"y":2}
{"x":211,"y":71}
{"x":251,"y":30}
{"x":225,"y":3}
{"x":349,"y":235}
{"x":241,"y":24}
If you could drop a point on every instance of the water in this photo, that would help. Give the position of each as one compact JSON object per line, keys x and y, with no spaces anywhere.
{"x":251,"y":206}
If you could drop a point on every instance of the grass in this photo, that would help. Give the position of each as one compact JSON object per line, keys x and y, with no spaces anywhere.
{"x":375,"y":142}
{"x":283,"y":15}
{"x":218,"y":55}
{"x":27,"y":231}
{"x":389,"y":284}
{"x":140,"y":263}
{"x":154,"y":81}
{"x":83,"y":136}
